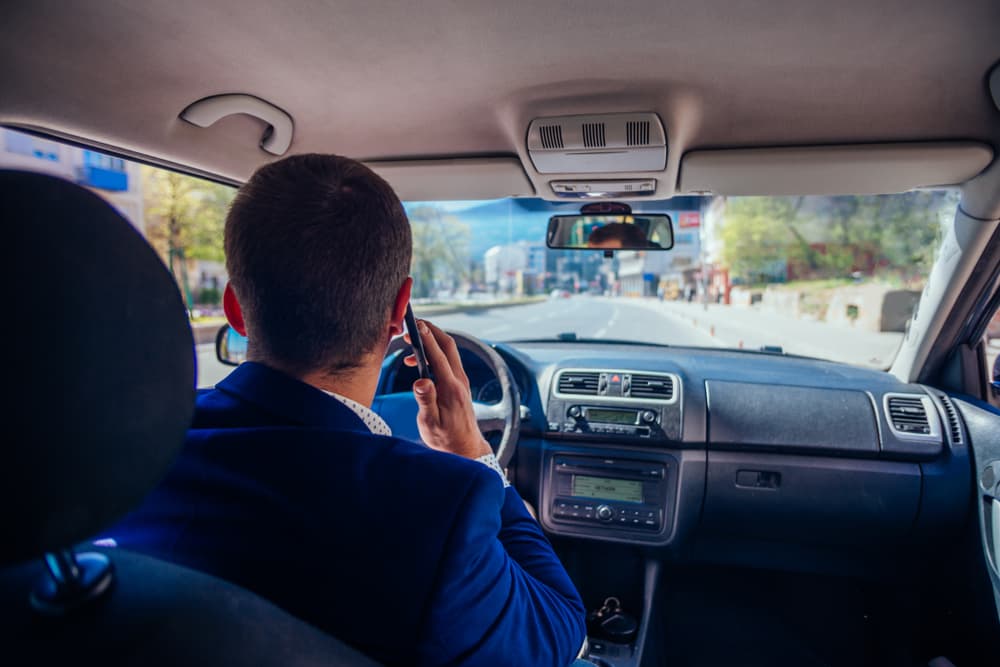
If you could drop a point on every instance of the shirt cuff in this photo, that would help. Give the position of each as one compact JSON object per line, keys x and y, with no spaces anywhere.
{"x":490,"y":461}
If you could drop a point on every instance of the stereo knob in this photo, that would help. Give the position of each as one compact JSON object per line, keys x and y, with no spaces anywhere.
{"x":648,"y":416}
{"x":605,"y":513}
{"x":574,"y":411}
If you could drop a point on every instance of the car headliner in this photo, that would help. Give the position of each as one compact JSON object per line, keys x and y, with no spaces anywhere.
{"x":381,"y":80}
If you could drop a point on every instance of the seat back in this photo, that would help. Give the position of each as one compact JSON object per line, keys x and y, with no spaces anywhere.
{"x":103,"y":368}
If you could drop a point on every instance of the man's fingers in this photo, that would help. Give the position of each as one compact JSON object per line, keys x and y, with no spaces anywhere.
{"x":450,"y":350}
{"x":435,"y":355}
{"x":410,"y":360}
{"x":426,"y":395}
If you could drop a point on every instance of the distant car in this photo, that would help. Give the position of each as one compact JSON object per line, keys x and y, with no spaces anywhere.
{"x":559,"y":294}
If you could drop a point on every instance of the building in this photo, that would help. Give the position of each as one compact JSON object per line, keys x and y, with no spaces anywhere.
{"x":114,"y":179}
{"x":515,"y":268}
{"x":643,"y":273}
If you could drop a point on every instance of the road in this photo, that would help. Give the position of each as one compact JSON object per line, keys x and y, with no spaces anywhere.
{"x":586,"y":316}
{"x":648,"y":320}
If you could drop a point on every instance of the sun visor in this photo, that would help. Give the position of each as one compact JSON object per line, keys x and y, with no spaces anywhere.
{"x":831,"y":170}
{"x":458,"y":179}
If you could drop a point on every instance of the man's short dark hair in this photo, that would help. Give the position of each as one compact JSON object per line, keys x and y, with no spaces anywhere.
{"x":317,"y":247}
{"x":629,"y":234}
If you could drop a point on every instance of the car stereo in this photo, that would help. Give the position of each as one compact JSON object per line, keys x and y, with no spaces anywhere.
{"x":620,"y":493}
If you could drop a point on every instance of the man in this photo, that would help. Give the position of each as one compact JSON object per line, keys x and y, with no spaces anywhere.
{"x":290,"y":486}
{"x":617,"y":235}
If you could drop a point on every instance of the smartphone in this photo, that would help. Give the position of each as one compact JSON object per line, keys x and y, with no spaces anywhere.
{"x":418,"y":344}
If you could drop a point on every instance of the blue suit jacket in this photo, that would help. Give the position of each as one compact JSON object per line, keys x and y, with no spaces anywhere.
{"x":411,"y":555}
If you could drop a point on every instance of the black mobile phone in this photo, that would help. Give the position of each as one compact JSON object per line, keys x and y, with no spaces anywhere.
{"x":423,"y":368}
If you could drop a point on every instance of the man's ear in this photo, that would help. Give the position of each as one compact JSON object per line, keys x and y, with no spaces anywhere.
{"x":233,"y":311}
{"x":399,"y":308}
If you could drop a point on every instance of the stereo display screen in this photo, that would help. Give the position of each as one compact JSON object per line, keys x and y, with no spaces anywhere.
{"x":612,"y":416}
{"x":623,"y":490}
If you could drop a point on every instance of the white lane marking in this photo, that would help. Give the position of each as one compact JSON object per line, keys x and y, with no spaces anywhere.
{"x":600,"y":332}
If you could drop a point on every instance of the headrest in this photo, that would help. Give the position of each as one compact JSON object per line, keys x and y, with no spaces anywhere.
{"x":101,"y":366}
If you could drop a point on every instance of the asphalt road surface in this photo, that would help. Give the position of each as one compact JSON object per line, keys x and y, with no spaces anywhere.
{"x":649,"y":320}
{"x":586,"y":316}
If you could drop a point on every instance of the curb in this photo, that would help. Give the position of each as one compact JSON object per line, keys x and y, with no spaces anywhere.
{"x":429,"y":312}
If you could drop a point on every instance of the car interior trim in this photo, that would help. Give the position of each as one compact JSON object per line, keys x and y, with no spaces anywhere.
{"x":832,"y":170}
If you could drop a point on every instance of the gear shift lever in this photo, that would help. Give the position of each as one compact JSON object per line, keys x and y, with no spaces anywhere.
{"x":611,"y":623}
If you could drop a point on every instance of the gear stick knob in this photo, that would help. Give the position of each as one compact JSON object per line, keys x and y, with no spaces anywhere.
{"x":611,"y":623}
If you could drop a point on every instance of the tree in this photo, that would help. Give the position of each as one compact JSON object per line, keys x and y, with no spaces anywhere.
{"x":184,"y":219}
{"x":896,"y":235}
{"x":440,"y":249}
{"x":755,"y":235}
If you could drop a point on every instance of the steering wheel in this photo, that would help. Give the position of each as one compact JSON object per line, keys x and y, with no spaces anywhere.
{"x":504,"y":417}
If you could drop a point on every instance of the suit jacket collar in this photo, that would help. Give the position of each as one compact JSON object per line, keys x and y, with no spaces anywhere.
{"x":289,"y":398}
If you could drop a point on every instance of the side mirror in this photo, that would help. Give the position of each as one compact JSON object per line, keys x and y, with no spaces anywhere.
{"x":230,"y":346}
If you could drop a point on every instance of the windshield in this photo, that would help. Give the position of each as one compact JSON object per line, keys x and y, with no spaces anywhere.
{"x":829,"y":277}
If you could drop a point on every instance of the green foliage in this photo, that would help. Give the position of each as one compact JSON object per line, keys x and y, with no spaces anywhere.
{"x":184,"y":215}
{"x":894,"y":236}
{"x":209,"y":296}
{"x":184,"y":219}
{"x":440,"y":250}
{"x":755,"y":236}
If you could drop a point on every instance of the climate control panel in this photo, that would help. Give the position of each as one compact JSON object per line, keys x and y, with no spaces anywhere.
{"x":627,"y":404}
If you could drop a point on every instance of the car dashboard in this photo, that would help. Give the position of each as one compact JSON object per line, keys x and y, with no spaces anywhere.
{"x":707,"y":454}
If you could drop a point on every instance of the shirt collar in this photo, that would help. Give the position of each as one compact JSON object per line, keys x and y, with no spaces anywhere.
{"x":374,"y":423}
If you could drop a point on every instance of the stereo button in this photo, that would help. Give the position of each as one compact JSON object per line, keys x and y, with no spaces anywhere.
{"x":605,"y":513}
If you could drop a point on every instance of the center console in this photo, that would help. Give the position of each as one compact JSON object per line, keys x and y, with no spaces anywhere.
{"x":607,"y":472}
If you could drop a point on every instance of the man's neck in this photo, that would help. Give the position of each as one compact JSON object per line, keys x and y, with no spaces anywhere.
{"x":358,"y":384}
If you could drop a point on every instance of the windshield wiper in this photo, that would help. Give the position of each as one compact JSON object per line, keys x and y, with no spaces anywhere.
{"x":571,"y":337}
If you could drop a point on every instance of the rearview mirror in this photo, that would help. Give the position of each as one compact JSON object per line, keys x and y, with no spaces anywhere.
{"x":230,"y":346}
{"x":610,"y":232}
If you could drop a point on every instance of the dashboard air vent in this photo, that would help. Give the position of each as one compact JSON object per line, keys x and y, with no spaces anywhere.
{"x":593,"y":135}
{"x":907,"y":414}
{"x":551,"y":136}
{"x":583,"y":384}
{"x":637,"y":133}
{"x":954,"y":428}
{"x":652,"y":386}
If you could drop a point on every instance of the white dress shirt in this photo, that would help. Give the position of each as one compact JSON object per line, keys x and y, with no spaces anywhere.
{"x":378,"y":426}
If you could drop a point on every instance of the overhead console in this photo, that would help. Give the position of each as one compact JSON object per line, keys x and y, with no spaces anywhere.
{"x":619,"y":143}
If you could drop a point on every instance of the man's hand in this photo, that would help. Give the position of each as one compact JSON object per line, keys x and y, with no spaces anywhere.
{"x":446,"y":420}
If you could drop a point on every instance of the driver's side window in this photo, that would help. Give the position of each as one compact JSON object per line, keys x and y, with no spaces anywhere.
{"x":181,"y":216}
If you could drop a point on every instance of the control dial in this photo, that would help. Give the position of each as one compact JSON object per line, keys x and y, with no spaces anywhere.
{"x":605,"y":513}
{"x":574,"y":411}
{"x":648,"y":416}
